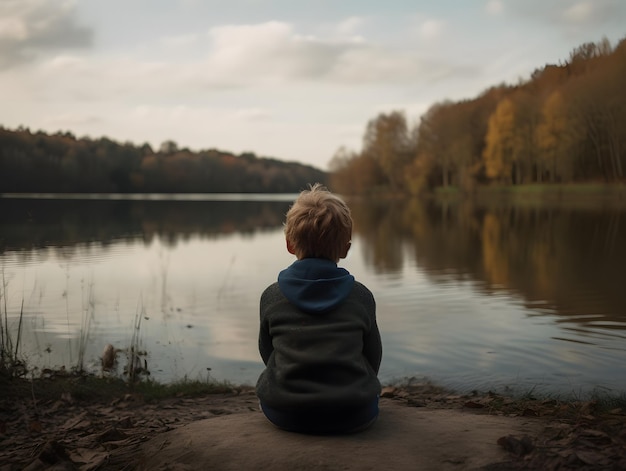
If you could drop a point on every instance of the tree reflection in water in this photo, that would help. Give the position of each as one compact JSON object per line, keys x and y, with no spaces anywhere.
{"x":464,"y":291}
{"x":569,"y":259}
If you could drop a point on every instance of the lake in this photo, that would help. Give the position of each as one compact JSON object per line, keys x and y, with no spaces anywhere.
{"x":500,"y":297}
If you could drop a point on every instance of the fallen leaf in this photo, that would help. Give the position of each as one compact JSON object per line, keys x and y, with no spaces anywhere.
{"x":88,"y":458}
{"x":112,"y":435}
{"x":35,"y":426}
{"x":76,"y":422}
{"x":415,"y":403}
{"x":592,"y":458}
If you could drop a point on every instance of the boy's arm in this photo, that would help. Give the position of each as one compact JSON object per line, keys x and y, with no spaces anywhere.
{"x":265,"y":343}
{"x":265,"y":340}
{"x":372,"y":347}
{"x":372,"y":344}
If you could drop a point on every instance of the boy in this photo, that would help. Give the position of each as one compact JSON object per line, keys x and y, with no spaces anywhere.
{"x":318,"y":337}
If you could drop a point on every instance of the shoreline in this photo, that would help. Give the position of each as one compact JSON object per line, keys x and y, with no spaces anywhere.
{"x":59,"y":419}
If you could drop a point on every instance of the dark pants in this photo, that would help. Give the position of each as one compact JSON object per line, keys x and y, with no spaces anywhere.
{"x":324,"y":420}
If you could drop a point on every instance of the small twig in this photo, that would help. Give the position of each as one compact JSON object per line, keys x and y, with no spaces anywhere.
{"x":6,"y":339}
{"x":19,"y":331}
{"x":164,"y":444}
{"x":32,"y":392}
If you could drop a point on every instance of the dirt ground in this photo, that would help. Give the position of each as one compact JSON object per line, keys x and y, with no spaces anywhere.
{"x":420,"y":427}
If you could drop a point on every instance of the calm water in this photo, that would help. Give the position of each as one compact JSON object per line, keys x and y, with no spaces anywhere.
{"x":470,"y":297}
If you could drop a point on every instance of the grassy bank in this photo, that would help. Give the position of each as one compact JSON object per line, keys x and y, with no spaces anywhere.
{"x":86,"y":388}
{"x":92,"y":388}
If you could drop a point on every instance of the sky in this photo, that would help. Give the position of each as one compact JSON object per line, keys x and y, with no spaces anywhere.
{"x":290,"y":79}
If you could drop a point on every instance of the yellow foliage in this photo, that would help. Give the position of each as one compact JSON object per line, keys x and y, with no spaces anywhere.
{"x":500,"y":140}
{"x":553,"y":122}
{"x":418,"y":172}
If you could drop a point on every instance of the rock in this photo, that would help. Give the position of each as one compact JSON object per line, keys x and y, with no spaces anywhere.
{"x":403,"y":438}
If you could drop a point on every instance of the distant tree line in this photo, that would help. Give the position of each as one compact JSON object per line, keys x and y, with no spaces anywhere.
{"x":567,"y":123}
{"x":43,"y":163}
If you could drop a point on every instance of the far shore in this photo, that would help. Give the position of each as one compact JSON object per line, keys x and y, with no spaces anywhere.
{"x":550,"y":191}
{"x":573,"y":193}
{"x":581,"y":187}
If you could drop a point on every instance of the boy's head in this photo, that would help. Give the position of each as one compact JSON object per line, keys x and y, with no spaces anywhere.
{"x":318,"y":225}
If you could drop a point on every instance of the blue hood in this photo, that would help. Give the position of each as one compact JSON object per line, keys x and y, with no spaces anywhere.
{"x":315,"y":284}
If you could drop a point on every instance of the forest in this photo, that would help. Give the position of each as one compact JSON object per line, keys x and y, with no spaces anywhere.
{"x":565,"y":124}
{"x":35,"y":162}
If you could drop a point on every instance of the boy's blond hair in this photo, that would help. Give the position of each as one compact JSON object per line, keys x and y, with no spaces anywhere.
{"x":319,"y":225}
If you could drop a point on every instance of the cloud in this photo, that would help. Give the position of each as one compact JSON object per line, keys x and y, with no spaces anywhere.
{"x":257,"y":61}
{"x":268,"y":52}
{"x":273,"y":53}
{"x":494,"y":7}
{"x":572,"y":15}
{"x":349,"y":26}
{"x":182,"y":42}
{"x":183,"y":113}
{"x":29,"y":28}
{"x":106,"y":79}
{"x":70,"y":120}
{"x":588,"y":14}
{"x":376,"y":65}
{"x":252,"y":114}
{"x":268,"y":57}
{"x":431,"y":29}
{"x":578,"y":13}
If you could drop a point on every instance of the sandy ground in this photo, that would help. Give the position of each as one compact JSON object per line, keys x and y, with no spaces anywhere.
{"x":402,"y":439}
{"x":420,"y":428}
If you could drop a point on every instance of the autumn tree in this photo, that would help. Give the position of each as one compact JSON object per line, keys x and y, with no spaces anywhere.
{"x":596,"y":106}
{"x":387,"y":142}
{"x":500,"y":141}
{"x":355,"y":174}
{"x":551,"y":137}
{"x":341,"y":168}
{"x":527,"y":112}
{"x":566,"y":123}
{"x":434,"y":137}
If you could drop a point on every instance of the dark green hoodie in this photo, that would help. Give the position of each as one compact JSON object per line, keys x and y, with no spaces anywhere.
{"x":318,"y":339}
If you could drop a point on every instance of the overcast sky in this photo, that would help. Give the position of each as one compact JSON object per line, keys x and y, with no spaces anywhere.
{"x":290,"y":79}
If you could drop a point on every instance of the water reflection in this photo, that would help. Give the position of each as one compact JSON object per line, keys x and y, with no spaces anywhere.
{"x":39,"y":223}
{"x":467,"y":295}
{"x":567,"y":261}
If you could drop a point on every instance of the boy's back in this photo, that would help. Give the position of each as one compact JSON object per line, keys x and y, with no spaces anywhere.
{"x":318,"y":335}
